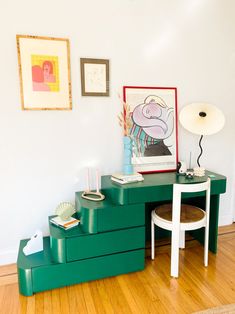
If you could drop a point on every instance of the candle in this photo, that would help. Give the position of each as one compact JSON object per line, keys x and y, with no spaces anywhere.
{"x":88,"y":179}
{"x":97,"y":181}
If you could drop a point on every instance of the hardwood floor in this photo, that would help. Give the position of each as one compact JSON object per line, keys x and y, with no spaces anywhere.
{"x":148,"y":291}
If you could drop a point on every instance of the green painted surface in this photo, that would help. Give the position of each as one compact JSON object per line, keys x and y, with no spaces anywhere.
{"x":25,"y":281}
{"x":58,"y":250}
{"x":48,"y":275}
{"x":105,"y":216}
{"x":155,"y":187}
{"x":107,"y":219}
{"x":25,"y":264}
{"x":120,"y":217}
{"x":105,"y":243}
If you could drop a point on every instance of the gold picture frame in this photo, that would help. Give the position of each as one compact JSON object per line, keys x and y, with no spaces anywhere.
{"x":44,"y":71}
{"x":94,"y":77}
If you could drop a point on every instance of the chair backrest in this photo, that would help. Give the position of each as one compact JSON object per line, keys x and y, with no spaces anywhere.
{"x":178,"y":189}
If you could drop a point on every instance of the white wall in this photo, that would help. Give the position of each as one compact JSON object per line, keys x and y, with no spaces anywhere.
{"x":187,"y":44}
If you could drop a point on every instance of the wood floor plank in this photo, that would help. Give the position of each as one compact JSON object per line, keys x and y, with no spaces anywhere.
{"x":80,"y":300}
{"x":47,"y":302}
{"x":64,"y":300}
{"x":118,"y":299}
{"x":90,"y":304}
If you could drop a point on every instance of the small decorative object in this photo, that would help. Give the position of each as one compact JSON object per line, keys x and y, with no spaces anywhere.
{"x":181,"y":167}
{"x":91,"y":195}
{"x":199,"y":171}
{"x":35,"y":244}
{"x":152,"y":112}
{"x":94,"y":77}
{"x":189,"y":174}
{"x":125,"y":179}
{"x":65,"y":210}
{"x":44,"y":68}
{"x":202,"y":119}
{"x":65,"y":224}
{"x":125,"y":122}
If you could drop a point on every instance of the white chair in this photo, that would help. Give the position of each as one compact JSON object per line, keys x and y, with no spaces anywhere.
{"x":185,"y":217}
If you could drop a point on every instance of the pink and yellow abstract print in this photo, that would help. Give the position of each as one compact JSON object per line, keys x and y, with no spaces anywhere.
{"x":45,"y":73}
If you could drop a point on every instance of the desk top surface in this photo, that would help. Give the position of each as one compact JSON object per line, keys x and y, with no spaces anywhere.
{"x":163,"y":178}
{"x":156,"y":186}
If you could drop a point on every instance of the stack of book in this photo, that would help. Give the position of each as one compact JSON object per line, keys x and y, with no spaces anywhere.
{"x":65,"y":224}
{"x":127,"y":178}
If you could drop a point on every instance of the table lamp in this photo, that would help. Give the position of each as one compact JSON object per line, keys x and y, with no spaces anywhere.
{"x":202,"y":119}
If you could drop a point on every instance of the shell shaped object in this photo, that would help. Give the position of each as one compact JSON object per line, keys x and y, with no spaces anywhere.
{"x":65,"y":210}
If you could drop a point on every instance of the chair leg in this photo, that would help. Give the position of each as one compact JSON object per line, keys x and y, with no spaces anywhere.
{"x":182,"y":239}
{"x":152,"y":240}
{"x":206,"y":243}
{"x":175,"y":254}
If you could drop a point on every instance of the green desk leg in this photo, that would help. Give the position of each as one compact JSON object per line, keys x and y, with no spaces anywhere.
{"x":214,"y":221}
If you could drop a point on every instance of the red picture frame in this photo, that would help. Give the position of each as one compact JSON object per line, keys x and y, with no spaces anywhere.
{"x":154,"y":129}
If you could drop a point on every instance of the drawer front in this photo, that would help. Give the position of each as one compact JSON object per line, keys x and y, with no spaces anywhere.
{"x":105,"y":243}
{"x":120,"y":217}
{"x":60,"y":275}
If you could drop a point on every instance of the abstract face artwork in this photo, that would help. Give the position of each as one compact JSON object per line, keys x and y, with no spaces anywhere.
{"x":45,"y":73}
{"x":156,"y":120}
{"x":154,"y":128}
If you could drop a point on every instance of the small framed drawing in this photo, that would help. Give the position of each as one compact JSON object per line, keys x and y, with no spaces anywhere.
{"x":153,"y":130}
{"x":94,"y":77}
{"x":44,"y":68}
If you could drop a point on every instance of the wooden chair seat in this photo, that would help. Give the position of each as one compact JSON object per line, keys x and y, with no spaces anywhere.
{"x":189,"y":213}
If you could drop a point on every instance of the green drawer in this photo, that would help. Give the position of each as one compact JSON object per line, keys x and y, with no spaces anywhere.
{"x":60,"y":275}
{"x":89,"y":246}
{"x":37,"y":272}
{"x":120,"y":217}
{"x":105,"y":216}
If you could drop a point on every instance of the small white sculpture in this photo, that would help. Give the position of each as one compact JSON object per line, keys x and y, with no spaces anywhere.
{"x":65,"y":210}
{"x":35,"y":244}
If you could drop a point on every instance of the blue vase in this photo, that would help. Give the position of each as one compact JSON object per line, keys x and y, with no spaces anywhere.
{"x":127,"y":166}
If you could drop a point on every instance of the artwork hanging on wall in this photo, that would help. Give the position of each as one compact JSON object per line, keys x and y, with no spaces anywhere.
{"x":153,"y":130}
{"x":94,"y":77}
{"x":44,"y":69}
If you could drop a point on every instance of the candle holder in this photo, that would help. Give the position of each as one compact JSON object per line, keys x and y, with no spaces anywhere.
{"x":93,"y":195}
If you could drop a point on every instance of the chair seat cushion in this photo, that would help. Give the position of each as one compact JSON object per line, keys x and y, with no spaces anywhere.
{"x":189,"y":213}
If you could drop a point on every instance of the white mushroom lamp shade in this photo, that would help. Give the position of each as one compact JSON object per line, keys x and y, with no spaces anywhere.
{"x":202,"y":118}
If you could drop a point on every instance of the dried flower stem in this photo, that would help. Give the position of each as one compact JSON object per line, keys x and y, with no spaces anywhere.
{"x":125,"y":118}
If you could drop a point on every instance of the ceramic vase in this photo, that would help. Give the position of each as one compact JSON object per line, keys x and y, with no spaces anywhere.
{"x":127,"y":166}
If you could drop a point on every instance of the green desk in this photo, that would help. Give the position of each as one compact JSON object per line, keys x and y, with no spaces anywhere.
{"x":111,"y":237}
{"x":157,"y":188}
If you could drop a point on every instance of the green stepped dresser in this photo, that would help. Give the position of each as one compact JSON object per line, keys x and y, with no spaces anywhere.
{"x":110,"y":239}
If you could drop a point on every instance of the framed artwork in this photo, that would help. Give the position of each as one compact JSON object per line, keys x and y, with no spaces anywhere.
{"x":44,"y":69}
{"x":153,"y":128}
{"x":94,"y":77}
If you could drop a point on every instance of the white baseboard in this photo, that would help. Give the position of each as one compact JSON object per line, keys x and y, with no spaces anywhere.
{"x":8,"y":257}
{"x":225,"y":220}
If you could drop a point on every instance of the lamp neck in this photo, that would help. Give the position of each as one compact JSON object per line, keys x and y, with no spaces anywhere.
{"x":198,"y":158}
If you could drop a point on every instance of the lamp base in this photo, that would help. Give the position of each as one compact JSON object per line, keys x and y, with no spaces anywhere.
{"x":199,"y":171}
